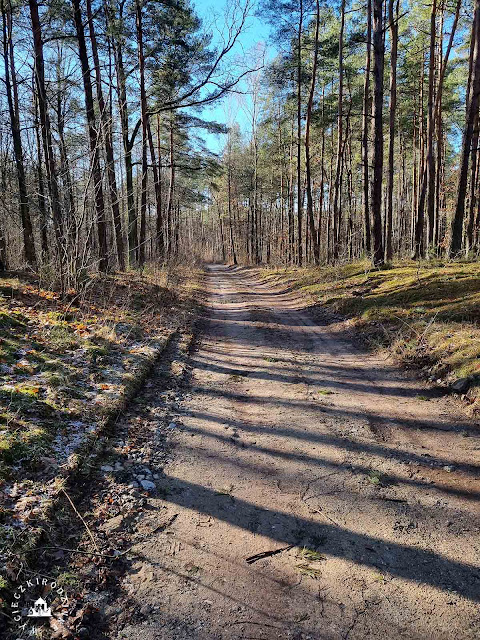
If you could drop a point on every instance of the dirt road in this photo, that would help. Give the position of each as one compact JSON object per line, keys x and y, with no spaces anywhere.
{"x":293,"y":439}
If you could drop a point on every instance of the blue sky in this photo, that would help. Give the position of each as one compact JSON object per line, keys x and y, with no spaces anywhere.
{"x":255,"y":34}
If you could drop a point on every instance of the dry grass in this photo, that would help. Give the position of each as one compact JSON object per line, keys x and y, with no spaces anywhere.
{"x":427,"y":314}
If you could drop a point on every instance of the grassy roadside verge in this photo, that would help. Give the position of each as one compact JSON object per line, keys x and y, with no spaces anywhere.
{"x":426,"y":314}
{"x":68,"y":367}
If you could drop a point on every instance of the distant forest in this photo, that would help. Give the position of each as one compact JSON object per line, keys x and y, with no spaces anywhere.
{"x":363,"y":134}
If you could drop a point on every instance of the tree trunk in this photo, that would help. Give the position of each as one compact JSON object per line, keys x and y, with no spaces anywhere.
{"x":41,"y":183}
{"x":171,"y":188}
{"x":393,"y":19}
{"x":50,"y":164}
{"x":108,"y":143}
{"x":127,"y":146}
{"x":428,"y":175}
{"x":322,"y":176}
{"x":71,"y":221}
{"x":291,"y":225}
{"x":473,"y":185}
{"x":12,"y":99}
{"x":365,"y":130}
{"x":311,"y":221}
{"x":337,"y":207}
{"x":299,"y":140}
{"x":378,"y":63}
{"x":229,"y":197}
{"x":159,"y":240}
{"x":93,"y":139}
{"x":144,"y":117}
{"x":472,"y":111}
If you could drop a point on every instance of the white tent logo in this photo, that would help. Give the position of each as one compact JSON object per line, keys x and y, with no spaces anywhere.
{"x":40,"y":609}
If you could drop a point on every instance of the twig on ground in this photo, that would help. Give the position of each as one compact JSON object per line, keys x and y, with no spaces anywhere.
{"x":81,"y":518}
{"x":87,"y":553}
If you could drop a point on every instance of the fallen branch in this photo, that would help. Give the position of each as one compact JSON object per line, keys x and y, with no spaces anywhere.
{"x":267,"y":554}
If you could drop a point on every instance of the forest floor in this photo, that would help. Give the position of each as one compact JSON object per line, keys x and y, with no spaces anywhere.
{"x":68,"y":365}
{"x":276,"y":480}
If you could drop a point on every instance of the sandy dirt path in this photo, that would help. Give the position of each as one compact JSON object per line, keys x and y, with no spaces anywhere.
{"x":293,"y":439}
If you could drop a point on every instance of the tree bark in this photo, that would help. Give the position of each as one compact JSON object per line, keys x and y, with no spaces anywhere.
{"x":472,"y":111}
{"x":337,"y":208}
{"x":365,"y":130}
{"x":378,"y":65}
{"x":41,"y":183}
{"x":299,"y":141}
{"x":157,"y":178}
{"x":71,"y":222}
{"x":144,"y":118}
{"x":171,"y":187}
{"x":393,"y":19}
{"x":311,"y":220}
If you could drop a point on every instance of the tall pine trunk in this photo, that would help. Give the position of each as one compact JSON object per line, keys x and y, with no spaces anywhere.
{"x":337,"y":206}
{"x":311,"y":220}
{"x":144,"y":118}
{"x":378,"y":64}
{"x":393,"y":19}
{"x":171,"y":186}
{"x":299,"y":140}
{"x":472,"y":111}
{"x":157,"y":183}
{"x":117,"y":27}
{"x":41,"y":196}
{"x":365,"y":129}
{"x":428,"y":175}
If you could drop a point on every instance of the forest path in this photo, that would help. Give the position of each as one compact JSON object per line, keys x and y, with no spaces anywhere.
{"x":293,"y":437}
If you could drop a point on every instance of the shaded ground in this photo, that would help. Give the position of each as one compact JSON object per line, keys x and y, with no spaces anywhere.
{"x":292,"y":439}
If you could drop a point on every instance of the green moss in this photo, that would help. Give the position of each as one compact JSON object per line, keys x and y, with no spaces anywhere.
{"x":61,"y":337}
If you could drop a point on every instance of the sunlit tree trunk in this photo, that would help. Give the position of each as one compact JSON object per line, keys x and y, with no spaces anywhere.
{"x":299,"y":140}
{"x":338,"y":172}
{"x":472,"y":113}
{"x":144,"y":117}
{"x":378,"y":63}
{"x":159,"y":240}
{"x":393,"y":19}
{"x":365,"y":130}
{"x":311,"y":220}
{"x":116,"y":24}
